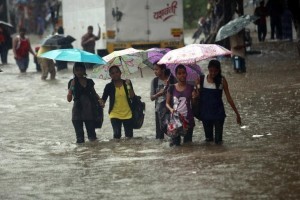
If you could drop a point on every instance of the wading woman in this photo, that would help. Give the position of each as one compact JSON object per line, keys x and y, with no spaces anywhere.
{"x":82,"y":91}
{"x":212,"y":107}
{"x":179,"y":99}
{"x":120,"y":93}
{"x":159,"y":87}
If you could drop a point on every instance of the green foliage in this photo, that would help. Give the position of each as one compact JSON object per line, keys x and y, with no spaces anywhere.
{"x":192,"y":11}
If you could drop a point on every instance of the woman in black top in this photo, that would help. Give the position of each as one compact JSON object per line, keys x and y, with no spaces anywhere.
{"x":82,"y":91}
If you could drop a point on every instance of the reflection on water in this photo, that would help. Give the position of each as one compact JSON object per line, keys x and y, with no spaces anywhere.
{"x":259,"y":160}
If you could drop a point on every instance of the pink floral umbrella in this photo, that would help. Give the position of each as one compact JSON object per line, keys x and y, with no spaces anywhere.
{"x":193,"y":53}
{"x":153,"y":55}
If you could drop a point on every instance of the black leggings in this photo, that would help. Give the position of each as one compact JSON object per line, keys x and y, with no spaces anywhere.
{"x":90,"y":128}
{"x":209,"y":126}
{"x":117,"y":125}
{"x":160,"y":134}
{"x":187,"y":138}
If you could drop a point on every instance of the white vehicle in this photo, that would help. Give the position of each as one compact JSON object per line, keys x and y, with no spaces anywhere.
{"x":139,"y":24}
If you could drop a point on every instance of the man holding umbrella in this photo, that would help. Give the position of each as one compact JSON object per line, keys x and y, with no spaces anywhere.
{"x":235,"y":30}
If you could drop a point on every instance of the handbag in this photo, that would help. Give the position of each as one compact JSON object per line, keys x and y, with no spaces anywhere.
{"x":196,"y":106}
{"x":138,"y":112}
{"x":97,"y":110}
{"x":177,"y":125}
{"x":98,"y":121}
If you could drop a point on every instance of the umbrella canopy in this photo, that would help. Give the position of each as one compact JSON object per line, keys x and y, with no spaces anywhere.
{"x":193,"y":53}
{"x":6,"y":24}
{"x":234,"y":26}
{"x":153,"y":55}
{"x":128,"y":60}
{"x":58,"y":41}
{"x":73,"y":55}
{"x":9,"y":27}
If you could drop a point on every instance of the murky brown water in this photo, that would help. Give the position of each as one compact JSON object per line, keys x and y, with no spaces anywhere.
{"x":39,"y":159}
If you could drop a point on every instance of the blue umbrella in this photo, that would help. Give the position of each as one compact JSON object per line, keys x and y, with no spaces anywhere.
{"x":73,"y":55}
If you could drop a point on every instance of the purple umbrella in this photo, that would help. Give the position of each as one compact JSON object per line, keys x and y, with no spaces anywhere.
{"x":193,"y":71}
{"x":153,"y":55}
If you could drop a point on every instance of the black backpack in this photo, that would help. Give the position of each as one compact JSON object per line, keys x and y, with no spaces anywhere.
{"x":138,"y":112}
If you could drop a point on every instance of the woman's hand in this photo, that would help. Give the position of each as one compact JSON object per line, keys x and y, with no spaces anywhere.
{"x":101,"y":102}
{"x":195,"y":94}
{"x":172,"y":110}
{"x":127,"y":81}
{"x":197,"y":83}
{"x":160,"y":93}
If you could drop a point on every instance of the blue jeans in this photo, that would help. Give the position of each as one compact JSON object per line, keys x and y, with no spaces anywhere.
{"x":23,"y":63}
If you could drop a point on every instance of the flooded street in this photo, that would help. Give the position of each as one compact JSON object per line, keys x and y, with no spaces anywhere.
{"x":260,"y":160}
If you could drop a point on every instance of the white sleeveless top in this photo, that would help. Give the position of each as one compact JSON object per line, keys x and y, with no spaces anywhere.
{"x":208,"y":85}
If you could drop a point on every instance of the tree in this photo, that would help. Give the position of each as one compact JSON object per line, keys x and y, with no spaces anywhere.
{"x":192,"y":10}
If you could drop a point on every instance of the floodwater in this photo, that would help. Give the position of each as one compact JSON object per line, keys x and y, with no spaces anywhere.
{"x":260,"y":160}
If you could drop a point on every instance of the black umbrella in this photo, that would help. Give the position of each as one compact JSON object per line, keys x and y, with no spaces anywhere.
{"x":58,"y":41}
{"x":9,"y":27}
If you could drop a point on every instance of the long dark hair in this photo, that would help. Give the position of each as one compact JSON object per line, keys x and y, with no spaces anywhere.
{"x":218,"y":78}
{"x":167,"y":72}
{"x":179,"y":67}
{"x":114,"y":67}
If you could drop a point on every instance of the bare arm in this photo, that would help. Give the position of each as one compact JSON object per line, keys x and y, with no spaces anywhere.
{"x":14,"y":47}
{"x":158,"y":94}
{"x":230,"y":101}
{"x":153,"y":95}
{"x":70,"y":91}
{"x":30,"y":49}
{"x":99,"y":33}
{"x":169,"y":97}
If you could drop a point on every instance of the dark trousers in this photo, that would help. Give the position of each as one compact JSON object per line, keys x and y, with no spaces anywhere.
{"x":159,"y":132}
{"x":276,"y":27}
{"x":61,"y":65}
{"x":209,"y":126}
{"x":90,"y":128}
{"x":187,"y":138}
{"x":3,"y":52}
{"x":117,"y":126}
{"x":261,"y":32}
